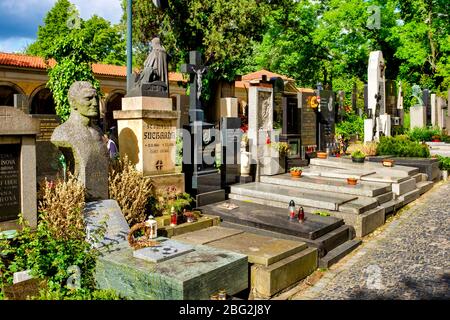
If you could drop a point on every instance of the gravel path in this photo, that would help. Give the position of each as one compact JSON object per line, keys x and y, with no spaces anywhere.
{"x":409,"y":259}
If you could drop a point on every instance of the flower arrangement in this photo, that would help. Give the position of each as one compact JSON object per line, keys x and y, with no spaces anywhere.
{"x":282,"y":147}
{"x":296,"y":171}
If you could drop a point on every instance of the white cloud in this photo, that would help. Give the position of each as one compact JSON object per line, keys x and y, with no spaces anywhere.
{"x":108,"y":9}
{"x":14,"y":44}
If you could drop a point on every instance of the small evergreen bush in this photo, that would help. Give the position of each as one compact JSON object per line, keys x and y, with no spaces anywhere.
{"x":402,"y":146}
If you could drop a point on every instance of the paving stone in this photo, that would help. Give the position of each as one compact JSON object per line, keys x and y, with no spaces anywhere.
{"x":260,"y":249}
{"x":411,"y":255}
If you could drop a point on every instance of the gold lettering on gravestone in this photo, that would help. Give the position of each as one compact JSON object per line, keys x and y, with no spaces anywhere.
{"x":48,"y":125}
{"x":9,"y":182}
{"x":159,"y":144}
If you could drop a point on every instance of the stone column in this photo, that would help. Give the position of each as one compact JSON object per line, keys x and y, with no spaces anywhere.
{"x":28,"y":179}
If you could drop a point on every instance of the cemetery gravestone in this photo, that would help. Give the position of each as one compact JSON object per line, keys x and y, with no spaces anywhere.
{"x":309,"y":123}
{"x":202,"y":178}
{"x":147,"y":123}
{"x":379,"y":119}
{"x":418,"y":113}
{"x":231,"y":136}
{"x":327,"y":119}
{"x":291,"y":132}
{"x":17,"y":167}
{"x":261,"y":131}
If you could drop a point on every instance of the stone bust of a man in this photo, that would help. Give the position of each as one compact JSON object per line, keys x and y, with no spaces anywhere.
{"x":80,"y":140}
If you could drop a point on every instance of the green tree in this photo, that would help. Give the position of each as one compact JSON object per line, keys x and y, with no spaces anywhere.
{"x":422,"y":36}
{"x":222,"y":30}
{"x":106,"y":41}
{"x":55,"y":25}
{"x":287,"y":46}
{"x":74,"y":63}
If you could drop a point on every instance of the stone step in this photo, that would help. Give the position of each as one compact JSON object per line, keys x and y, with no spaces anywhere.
{"x":359,"y":205}
{"x":410,"y":196}
{"x":363,"y":223}
{"x":424,"y":186}
{"x":327,"y":184}
{"x":317,"y":199}
{"x":404,"y":187}
{"x":392,"y":206}
{"x":341,"y":163}
{"x":334,"y":239}
{"x":328,"y":172}
{"x":420,"y":177}
{"x":383,"y":178}
{"x":259,"y":249}
{"x":338,"y":253}
{"x":267,"y":281}
{"x":385,"y":198}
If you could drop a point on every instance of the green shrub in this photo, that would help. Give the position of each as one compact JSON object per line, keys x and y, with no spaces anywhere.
{"x":353,"y":125}
{"x":358,"y":154}
{"x":402,"y":146}
{"x":424,"y":134}
{"x":444,"y":163}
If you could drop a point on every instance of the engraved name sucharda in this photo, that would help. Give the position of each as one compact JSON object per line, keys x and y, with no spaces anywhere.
{"x":162,"y":135}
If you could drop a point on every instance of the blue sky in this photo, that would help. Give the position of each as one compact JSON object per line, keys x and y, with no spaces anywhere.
{"x":19,"y":19}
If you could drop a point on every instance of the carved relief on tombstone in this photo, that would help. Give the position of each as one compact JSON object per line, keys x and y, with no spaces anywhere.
{"x":265,"y":110}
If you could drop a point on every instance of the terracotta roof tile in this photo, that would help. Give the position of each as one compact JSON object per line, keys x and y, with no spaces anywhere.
{"x":25,"y":61}
{"x":258,"y":75}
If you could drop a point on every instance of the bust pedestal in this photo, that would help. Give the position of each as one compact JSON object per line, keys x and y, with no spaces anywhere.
{"x":147,"y":135}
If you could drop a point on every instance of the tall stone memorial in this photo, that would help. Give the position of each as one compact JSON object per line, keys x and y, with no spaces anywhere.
{"x":18,"y":133}
{"x":418,"y":113}
{"x":261,"y":131}
{"x":147,"y":124}
{"x":200,"y":138}
{"x":379,"y":121}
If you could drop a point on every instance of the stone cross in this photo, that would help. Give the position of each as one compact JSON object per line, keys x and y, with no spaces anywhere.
{"x":195,"y":68}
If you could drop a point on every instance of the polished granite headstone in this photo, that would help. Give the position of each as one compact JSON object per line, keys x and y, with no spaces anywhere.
{"x":273,"y":219}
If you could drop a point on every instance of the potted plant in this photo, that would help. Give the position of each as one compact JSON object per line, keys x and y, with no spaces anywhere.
{"x":388,"y":162}
{"x":322,"y":155}
{"x":296,"y":172}
{"x":283,"y":149}
{"x":358,"y":156}
{"x":436,"y":138}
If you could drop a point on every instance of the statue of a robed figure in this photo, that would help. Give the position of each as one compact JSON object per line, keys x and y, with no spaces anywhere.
{"x":153,"y":80}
